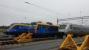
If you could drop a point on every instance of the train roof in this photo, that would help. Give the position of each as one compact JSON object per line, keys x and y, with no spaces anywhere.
{"x":19,"y":24}
{"x":46,"y":24}
{"x":75,"y":25}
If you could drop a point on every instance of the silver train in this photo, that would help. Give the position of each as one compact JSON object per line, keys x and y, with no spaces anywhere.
{"x":74,"y":28}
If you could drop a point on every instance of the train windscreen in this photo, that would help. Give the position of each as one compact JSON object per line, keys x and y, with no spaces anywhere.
{"x":62,"y":26}
{"x":19,"y":26}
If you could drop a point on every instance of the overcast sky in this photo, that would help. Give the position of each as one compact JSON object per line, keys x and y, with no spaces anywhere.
{"x":13,"y":11}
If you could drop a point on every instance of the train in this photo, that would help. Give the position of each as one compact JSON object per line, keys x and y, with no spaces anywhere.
{"x":17,"y":29}
{"x":38,"y":30}
{"x":75,"y":29}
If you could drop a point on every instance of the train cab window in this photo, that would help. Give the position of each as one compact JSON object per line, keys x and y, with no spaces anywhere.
{"x":16,"y":27}
{"x":62,"y":26}
{"x":19,"y":27}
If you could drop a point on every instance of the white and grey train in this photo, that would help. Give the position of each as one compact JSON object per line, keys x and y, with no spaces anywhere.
{"x":74,"y":28}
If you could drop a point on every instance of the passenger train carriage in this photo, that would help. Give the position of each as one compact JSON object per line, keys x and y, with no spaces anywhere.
{"x":77,"y":30}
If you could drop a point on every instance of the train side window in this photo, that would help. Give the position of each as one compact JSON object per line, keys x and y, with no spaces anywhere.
{"x":42,"y":27}
{"x":62,"y":26}
{"x":75,"y":28}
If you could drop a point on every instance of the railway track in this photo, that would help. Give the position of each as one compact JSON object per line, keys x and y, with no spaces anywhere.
{"x":39,"y":44}
{"x":42,"y":45}
{"x":21,"y":45}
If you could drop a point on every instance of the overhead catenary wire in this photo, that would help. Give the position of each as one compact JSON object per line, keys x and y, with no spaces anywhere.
{"x":13,"y":8}
{"x":66,"y":19}
{"x":46,"y":9}
{"x":74,"y":18}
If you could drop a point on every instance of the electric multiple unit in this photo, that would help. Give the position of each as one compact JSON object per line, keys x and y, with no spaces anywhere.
{"x":73,"y":28}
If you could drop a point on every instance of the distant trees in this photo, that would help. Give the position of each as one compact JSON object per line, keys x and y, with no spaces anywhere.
{"x":3,"y":28}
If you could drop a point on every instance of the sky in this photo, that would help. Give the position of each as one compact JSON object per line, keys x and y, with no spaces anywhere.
{"x":17,"y":11}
